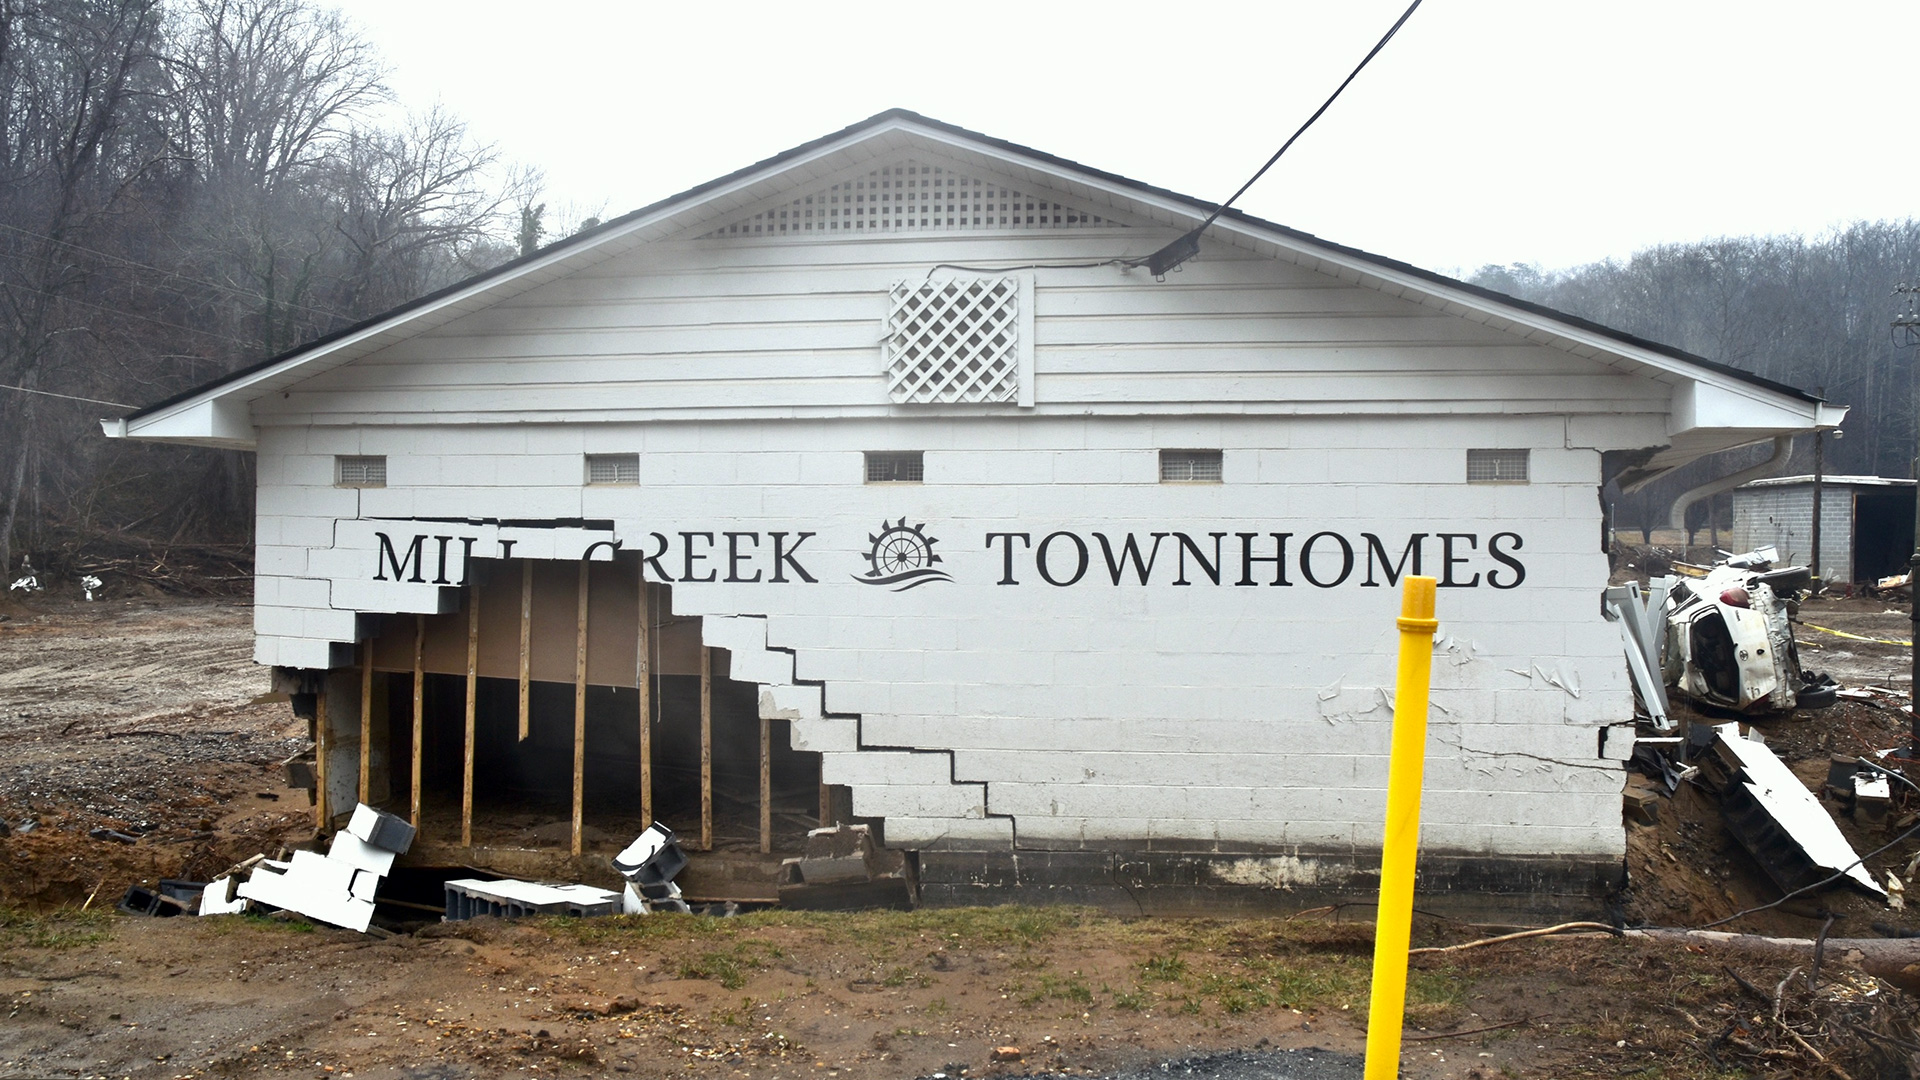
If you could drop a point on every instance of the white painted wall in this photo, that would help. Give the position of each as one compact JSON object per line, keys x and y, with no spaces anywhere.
{"x":1068,"y":715}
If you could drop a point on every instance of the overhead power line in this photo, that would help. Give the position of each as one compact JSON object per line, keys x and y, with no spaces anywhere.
{"x":174,"y":274}
{"x":1188,"y":244}
{"x":69,"y":397}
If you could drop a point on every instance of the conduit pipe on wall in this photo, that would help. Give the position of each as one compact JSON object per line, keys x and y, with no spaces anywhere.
{"x":1677,"y":517}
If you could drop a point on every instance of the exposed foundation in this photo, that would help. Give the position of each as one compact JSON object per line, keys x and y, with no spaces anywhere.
{"x":548,"y":716}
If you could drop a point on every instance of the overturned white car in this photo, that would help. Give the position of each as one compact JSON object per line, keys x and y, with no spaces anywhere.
{"x":1729,"y":639}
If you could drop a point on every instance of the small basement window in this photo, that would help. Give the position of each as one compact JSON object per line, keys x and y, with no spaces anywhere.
{"x":895,"y":467}
{"x":360,"y":471}
{"x":1189,"y":466}
{"x":1497,"y":466}
{"x":613,"y":469}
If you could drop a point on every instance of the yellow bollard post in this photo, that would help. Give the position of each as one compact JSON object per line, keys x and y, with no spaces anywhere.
{"x":1393,"y":926}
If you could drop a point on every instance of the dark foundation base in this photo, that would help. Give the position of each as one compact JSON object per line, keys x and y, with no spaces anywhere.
{"x":1478,"y":888}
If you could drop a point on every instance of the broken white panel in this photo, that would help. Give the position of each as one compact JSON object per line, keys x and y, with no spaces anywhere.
{"x":314,"y":886}
{"x":218,"y":898}
{"x":360,"y":855}
{"x":1796,"y":810}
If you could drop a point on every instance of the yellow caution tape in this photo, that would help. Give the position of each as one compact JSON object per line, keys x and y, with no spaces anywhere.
{"x":1857,"y":637}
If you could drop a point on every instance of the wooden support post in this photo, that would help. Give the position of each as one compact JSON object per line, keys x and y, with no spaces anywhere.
{"x":706,"y":748}
{"x":580,"y":715}
{"x":366,"y":722}
{"x":826,"y":806}
{"x":322,"y":749}
{"x":473,"y":685}
{"x":643,"y":679}
{"x":766,"y":786}
{"x":419,"y":708}
{"x":526,"y":642}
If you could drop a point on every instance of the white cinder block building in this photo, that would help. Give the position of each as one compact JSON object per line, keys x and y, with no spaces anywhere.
{"x":1866,"y":524}
{"x":1080,"y":583}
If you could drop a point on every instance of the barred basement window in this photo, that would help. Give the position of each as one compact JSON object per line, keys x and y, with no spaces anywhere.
{"x":1189,"y":466}
{"x":895,"y":467}
{"x":1497,"y":466}
{"x":613,"y":468}
{"x":360,"y":471}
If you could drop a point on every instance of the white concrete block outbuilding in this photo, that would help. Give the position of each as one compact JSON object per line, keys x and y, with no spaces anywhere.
{"x":1078,"y":583}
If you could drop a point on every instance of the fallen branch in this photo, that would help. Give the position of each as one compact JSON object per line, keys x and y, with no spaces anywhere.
{"x":1470,"y":1031}
{"x":1563,"y":928}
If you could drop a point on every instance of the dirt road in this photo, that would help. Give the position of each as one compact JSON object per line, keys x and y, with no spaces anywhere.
{"x":137,"y":716}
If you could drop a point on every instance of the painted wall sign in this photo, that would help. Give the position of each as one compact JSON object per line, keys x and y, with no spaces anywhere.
{"x":899,"y":556}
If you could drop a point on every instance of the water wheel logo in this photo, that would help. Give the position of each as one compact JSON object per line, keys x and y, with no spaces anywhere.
{"x":902,"y":557}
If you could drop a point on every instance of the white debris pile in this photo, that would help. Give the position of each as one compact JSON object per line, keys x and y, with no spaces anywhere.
{"x":649,"y":865}
{"x":337,"y":887}
{"x":90,"y":584}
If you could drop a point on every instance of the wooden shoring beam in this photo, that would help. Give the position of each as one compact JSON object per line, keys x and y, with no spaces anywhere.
{"x":643,"y":679}
{"x":366,"y":722}
{"x":473,"y":685}
{"x":419,"y":708}
{"x":580,"y":716}
{"x":706,"y":748}
{"x":526,"y":643}
{"x":322,"y":749}
{"x":766,"y":786}
{"x":826,"y":806}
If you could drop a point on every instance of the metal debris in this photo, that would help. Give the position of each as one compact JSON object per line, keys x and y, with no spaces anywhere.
{"x":1776,"y":818}
{"x":1643,"y":631}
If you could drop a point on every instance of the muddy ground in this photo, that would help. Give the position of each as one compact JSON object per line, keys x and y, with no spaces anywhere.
{"x":147,"y":716}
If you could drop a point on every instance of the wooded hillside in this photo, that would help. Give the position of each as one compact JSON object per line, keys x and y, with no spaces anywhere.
{"x":187,"y":186}
{"x":1812,"y":313}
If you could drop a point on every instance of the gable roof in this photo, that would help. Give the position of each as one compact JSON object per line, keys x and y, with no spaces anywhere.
{"x":808,"y":162}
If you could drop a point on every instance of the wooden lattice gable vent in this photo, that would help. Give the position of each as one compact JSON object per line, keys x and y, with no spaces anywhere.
{"x":960,"y":341}
{"x":915,"y":197}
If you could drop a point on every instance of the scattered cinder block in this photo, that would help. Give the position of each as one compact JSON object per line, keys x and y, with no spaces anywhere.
{"x":1872,"y":797}
{"x":653,"y":858}
{"x":1642,"y":806}
{"x":1841,"y":769}
{"x":471,"y":898}
{"x":382,"y":830}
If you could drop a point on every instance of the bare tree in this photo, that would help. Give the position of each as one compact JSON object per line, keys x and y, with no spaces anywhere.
{"x":69,"y":70}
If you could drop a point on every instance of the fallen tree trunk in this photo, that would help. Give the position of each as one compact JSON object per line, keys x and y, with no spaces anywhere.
{"x":1897,"y":960}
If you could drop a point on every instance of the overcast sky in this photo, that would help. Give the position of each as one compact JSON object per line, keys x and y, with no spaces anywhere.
{"x":1488,"y":131}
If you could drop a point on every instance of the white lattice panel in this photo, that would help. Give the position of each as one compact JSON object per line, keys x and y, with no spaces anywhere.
{"x":914,"y":197}
{"x":954,"y":341}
